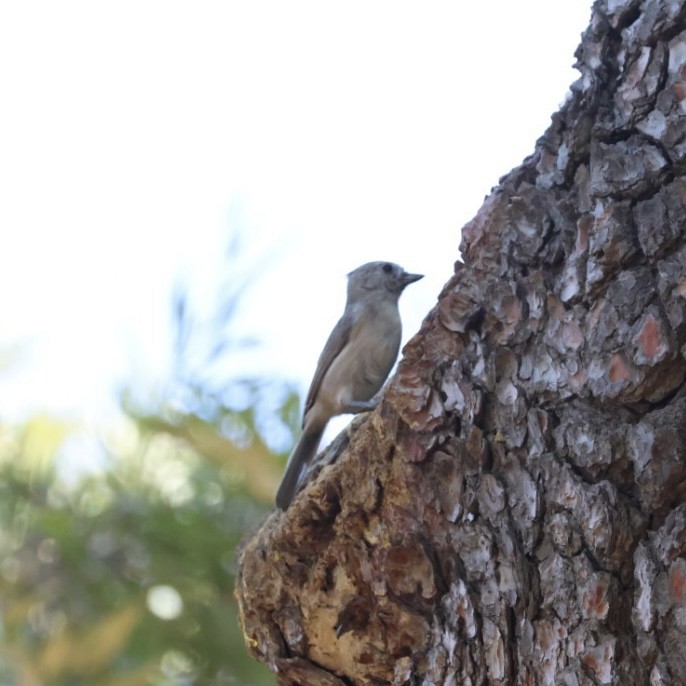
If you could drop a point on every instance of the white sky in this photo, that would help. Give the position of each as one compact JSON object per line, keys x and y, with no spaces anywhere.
{"x":134,"y":133}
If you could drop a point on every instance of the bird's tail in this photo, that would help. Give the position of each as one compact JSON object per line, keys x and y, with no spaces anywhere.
{"x":301,"y":456}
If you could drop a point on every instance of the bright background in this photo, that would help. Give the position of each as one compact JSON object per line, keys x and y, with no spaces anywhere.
{"x":140,"y":139}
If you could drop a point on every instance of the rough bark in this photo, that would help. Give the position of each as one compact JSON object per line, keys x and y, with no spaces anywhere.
{"x":515,"y":512}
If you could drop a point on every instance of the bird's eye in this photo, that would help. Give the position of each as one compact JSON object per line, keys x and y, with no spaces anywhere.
{"x":388,"y":268}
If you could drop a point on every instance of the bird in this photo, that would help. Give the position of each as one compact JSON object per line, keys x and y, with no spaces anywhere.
{"x":354,"y":364}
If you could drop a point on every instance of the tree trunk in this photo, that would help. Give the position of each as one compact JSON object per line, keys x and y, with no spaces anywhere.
{"x":514,"y":511}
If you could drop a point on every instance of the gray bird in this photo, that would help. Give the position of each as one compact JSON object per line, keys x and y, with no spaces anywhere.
{"x":355,"y":362}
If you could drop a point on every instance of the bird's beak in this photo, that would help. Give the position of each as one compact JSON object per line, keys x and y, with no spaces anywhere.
{"x":411,"y":278}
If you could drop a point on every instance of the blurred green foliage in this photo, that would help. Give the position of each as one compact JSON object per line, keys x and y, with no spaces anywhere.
{"x":124,"y":575}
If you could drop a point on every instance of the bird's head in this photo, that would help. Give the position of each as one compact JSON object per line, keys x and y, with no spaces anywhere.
{"x":379,"y":277}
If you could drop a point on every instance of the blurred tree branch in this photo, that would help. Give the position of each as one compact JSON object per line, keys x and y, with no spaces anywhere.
{"x":255,"y":461}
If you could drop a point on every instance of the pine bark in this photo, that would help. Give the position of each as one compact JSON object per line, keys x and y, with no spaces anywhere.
{"x":514,"y":512}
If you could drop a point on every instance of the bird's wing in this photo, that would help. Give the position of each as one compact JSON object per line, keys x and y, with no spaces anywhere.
{"x":338,"y":339}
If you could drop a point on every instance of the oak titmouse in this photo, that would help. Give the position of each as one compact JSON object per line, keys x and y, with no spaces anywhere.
{"x":355,"y":362}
